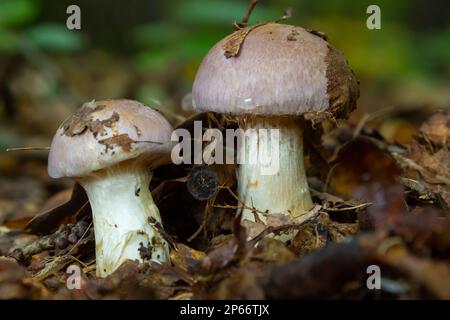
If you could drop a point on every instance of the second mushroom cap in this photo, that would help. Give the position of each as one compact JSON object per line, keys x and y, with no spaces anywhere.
{"x":107,"y":132}
{"x":280,"y":70}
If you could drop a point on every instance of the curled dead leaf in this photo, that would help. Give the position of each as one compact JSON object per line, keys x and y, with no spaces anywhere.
{"x":437,"y":129}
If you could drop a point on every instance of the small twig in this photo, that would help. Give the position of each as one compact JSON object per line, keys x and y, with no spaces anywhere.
{"x":78,"y":260}
{"x":226,"y":206}
{"x":313,"y":213}
{"x":359,"y":206}
{"x":244,"y":21}
{"x":90,"y":267}
{"x":328,"y":179}
{"x":28,"y":149}
{"x":209,"y":205}
{"x":169,"y":114}
{"x":159,"y":228}
{"x":327,"y":197}
{"x":287,"y":14}
{"x":243,"y":205}
{"x":81,"y":208}
{"x":367,"y":117}
{"x":81,"y":238}
{"x":52,"y":267}
{"x":202,"y":225}
{"x":362,"y":122}
{"x":147,"y":141}
{"x":409,"y":163}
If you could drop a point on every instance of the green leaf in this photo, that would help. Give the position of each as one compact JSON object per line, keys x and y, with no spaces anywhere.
{"x":153,"y":60}
{"x":156,"y":34}
{"x":55,"y":38}
{"x":151,"y":95}
{"x":15,"y":13}
{"x":8,"y":41}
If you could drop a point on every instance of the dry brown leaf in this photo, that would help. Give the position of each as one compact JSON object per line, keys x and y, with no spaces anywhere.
{"x":58,"y":209}
{"x":234,"y":41}
{"x":16,"y":284}
{"x":272,"y":251}
{"x":242,"y":284}
{"x":437,"y":163}
{"x":434,"y":275}
{"x":437,"y":129}
{"x":360,"y":163}
{"x":185,"y":257}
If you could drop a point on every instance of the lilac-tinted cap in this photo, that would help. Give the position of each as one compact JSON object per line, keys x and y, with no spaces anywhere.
{"x":280,"y":70}
{"x":104,"y":133}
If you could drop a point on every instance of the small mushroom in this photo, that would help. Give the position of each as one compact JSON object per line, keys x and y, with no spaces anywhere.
{"x":110,"y":148}
{"x":270,"y":84}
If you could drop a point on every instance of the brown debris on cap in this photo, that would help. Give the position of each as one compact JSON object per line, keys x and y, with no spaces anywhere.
{"x":280,"y":70}
{"x":234,"y":41}
{"x":80,"y":121}
{"x":122,"y":140}
{"x":105,"y":133}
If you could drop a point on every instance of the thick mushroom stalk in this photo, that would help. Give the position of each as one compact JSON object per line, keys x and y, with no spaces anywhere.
{"x":121,"y":207}
{"x":276,"y":183}
{"x":107,"y":147}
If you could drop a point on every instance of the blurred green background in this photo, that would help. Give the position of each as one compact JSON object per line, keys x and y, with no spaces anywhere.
{"x":149,"y":50}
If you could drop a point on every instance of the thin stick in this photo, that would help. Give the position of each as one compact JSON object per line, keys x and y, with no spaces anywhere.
{"x":365,"y":118}
{"x":79,"y":240}
{"x":249,"y":11}
{"x":159,"y":228}
{"x":313,"y":213}
{"x":78,"y":260}
{"x":243,"y":205}
{"x":209,"y":205}
{"x":28,"y":149}
{"x":48,"y":148}
{"x":246,"y":17}
{"x":409,"y":163}
{"x":148,"y":141}
{"x":359,"y":206}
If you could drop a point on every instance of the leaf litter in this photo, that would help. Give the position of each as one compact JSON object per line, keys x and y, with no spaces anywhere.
{"x":377,"y":201}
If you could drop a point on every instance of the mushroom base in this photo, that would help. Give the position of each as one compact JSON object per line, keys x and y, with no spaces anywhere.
{"x":275,"y":185}
{"x":121,"y":206}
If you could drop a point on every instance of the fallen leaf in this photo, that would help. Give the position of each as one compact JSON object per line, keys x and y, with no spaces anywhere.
{"x":360,"y":163}
{"x":185,"y":257}
{"x":57,"y":209}
{"x":437,"y":129}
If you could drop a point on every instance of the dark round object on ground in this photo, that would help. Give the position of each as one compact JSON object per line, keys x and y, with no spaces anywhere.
{"x":202,"y":183}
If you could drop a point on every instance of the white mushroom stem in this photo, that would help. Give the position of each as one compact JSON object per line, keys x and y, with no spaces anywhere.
{"x":276,"y":183}
{"x":121,"y":207}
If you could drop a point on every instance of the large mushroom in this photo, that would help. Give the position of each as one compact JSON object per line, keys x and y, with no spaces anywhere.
{"x":110,"y":148}
{"x":277,"y":74}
